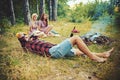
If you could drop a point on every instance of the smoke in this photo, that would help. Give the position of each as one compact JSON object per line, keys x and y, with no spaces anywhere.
{"x":97,"y":28}
{"x":101,"y":24}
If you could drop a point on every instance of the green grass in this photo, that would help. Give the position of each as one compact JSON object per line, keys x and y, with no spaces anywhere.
{"x":15,"y":64}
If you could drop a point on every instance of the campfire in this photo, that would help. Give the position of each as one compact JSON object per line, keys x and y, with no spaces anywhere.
{"x":96,"y":38}
{"x":93,"y":38}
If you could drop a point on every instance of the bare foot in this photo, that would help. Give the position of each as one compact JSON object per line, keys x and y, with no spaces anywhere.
{"x":108,"y":53}
{"x":98,"y":59}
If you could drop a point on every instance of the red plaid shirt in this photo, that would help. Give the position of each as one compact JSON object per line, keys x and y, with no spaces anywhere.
{"x":37,"y":46}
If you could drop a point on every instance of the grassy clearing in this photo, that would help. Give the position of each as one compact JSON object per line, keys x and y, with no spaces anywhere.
{"x":18,"y":65}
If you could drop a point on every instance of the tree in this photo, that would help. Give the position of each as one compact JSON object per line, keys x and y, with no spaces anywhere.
{"x":26,"y":12}
{"x":12,"y":14}
{"x":63,"y":9}
{"x":37,"y":6}
{"x":42,"y":7}
{"x":50,"y":9}
{"x":54,"y":10}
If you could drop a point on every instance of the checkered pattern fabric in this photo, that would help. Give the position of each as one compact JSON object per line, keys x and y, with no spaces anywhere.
{"x":37,"y":46}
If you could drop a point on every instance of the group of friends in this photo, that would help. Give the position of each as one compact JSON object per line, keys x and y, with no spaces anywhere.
{"x":40,"y":27}
{"x":63,"y":49}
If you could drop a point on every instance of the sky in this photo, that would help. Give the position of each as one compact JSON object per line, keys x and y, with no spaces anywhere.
{"x":71,"y":3}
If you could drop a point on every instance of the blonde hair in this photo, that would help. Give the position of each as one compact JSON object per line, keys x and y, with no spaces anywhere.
{"x":34,"y":14}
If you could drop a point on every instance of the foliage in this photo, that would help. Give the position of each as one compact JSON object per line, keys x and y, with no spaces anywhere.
{"x":100,"y":9}
{"x":33,"y":6}
{"x":5,"y":24}
{"x":91,"y":10}
{"x":82,"y":12}
{"x":18,"y":9}
{"x":63,"y":8}
{"x":117,"y":19}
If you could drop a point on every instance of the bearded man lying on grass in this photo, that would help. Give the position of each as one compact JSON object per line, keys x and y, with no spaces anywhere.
{"x":65,"y":48}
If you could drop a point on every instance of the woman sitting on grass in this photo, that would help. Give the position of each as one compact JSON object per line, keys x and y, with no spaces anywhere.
{"x":43,"y":24}
{"x":62,"y":49}
{"x":44,"y":27}
{"x":34,"y":26}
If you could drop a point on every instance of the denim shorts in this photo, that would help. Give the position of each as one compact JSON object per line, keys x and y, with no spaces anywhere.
{"x":64,"y":49}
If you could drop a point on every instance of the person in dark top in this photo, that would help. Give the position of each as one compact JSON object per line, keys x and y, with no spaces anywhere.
{"x":65,"y":48}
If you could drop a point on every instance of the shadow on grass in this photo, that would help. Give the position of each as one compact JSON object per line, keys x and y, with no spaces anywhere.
{"x":3,"y":44}
{"x":114,"y":73}
{"x":4,"y":65}
{"x":111,"y":69}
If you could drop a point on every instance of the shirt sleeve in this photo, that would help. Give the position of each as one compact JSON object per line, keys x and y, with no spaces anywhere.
{"x":39,"y":23}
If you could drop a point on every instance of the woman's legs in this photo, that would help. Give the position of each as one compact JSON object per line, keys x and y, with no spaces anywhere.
{"x":76,"y":40}
{"x":48,"y":29}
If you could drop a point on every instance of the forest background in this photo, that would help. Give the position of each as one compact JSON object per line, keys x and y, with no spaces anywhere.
{"x":15,"y":16}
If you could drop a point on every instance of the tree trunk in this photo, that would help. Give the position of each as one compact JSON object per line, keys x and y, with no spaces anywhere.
{"x":12,"y":14}
{"x":54,"y":10}
{"x":37,"y":7}
{"x":42,"y":7}
{"x":50,"y":9}
{"x":26,"y":12}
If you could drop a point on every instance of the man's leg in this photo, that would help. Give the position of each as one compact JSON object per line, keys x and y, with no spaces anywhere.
{"x":104,"y":54}
{"x":76,"y":40}
{"x":78,"y":52}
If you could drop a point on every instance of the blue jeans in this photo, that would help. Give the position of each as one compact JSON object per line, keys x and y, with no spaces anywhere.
{"x":63,"y":49}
